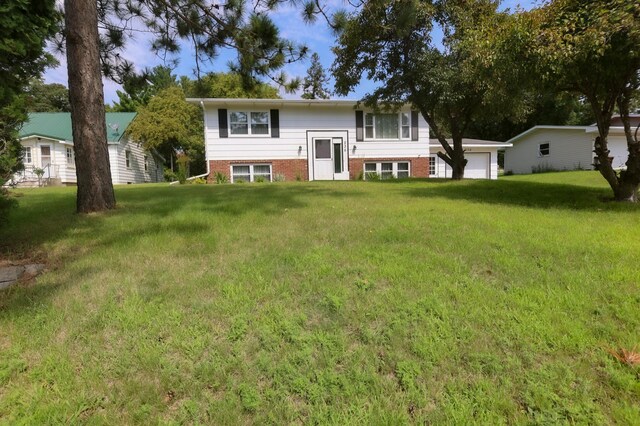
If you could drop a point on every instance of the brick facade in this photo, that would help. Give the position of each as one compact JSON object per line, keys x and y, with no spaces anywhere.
{"x":291,"y":169}
{"x":297,"y":169}
{"x":418,"y":167}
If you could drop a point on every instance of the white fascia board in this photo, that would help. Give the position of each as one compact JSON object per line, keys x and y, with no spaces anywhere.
{"x":544,"y":127}
{"x":273,"y":102}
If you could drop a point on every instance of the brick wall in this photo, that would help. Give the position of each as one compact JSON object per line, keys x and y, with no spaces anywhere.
{"x":291,"y":169}
{"x":419,"y":167}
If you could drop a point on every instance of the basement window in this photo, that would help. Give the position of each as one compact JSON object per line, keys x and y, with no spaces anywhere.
{"x":543,"y":149}
{"x":387,"y":170}
{"x":250,"y":172}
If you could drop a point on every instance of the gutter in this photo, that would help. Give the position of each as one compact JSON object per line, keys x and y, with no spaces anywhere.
{"x":204,"y":112}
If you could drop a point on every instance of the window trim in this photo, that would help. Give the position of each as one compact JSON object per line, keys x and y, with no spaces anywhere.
{"x":548,"y":149}
{"x":27,"y":159}
{"x":379,"y":168}
{"x":399,"y":115}
{"x":70,"y":158}
{"x":249,"y":133}
{"x":251,"y":170}
{"x":433,"y":170}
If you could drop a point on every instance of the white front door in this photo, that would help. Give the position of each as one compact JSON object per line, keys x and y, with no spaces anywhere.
{"x":322,"y":159}
{"x":45,"y":160}
{"x":328,"y":155}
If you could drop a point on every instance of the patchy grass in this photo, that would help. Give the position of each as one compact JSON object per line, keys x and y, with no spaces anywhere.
{"x":330,"y":303}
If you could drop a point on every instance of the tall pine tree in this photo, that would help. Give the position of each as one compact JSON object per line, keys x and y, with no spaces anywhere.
{"x":313,"y":86}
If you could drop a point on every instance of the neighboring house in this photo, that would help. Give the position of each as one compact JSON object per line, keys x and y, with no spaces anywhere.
{"x":481,"y":156}
{"x":47,"y":142}
{"x":549,"y":148}
{"x":270,"y":139}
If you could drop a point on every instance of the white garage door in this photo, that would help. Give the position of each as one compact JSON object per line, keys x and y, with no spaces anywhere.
{"x":478,"y":166}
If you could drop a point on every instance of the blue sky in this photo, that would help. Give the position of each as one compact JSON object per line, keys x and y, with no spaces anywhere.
{"x":316,"y":36}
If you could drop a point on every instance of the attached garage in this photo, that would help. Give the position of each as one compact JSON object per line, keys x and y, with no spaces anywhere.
{"x":481,"y":155}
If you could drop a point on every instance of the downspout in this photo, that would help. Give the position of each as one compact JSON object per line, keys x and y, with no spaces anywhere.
{"x":204,"y":114}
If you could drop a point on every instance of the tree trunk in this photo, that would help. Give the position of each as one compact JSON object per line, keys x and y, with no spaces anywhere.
{"x":86,"y":95}
{"x":459,"y":162}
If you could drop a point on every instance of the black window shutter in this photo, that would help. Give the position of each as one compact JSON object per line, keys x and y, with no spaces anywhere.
{"x":414,"y":125}
{"x":275,"y":123}
{"x":359,"y":126}
{"x":222,"y":123}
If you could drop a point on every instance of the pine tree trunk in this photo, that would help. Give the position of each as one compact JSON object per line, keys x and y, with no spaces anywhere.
{"x":86,"y":95}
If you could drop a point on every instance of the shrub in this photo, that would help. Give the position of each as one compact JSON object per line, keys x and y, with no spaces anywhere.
{"x":170,"y":175}
{"x":360,"y":175}
{"x":198,"y":181}
{"x":279,"y":177}
{"x":298,"y":177}
{"x":372,"y":176}
{"x":221,"y":177}
{"x":259,"y":179}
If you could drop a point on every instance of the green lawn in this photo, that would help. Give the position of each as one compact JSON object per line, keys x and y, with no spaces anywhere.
{"x":326,"y":303}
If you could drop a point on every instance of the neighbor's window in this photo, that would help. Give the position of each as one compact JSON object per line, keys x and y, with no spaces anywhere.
{"x":543,"y":149}
{"x":146,"y":163}
{"x":387,"y":170}
{"x":432,"y":166}
{"x":387,"y":126}
{"x":250,"y":172}
{"x":249,"y":123}
{"x":127,"y":158}
{"x":69,"y":155}
{"x":26,"y":154}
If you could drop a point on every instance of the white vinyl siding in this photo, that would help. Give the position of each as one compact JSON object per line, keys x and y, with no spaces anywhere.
{"x":569,"y":149}
{"x":295,"y":122}
{"x":133,"y":170}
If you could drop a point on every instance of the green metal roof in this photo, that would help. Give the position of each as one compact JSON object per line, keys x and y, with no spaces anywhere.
{"x":57,"y":125}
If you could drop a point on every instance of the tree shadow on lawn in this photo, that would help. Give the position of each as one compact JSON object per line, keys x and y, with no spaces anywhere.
{"x":44,"y":218}
{"x":524,"y":194}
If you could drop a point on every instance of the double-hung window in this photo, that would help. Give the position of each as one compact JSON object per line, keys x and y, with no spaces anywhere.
{"x":127,"y":158}
{"x":249,"y":122}
{"x":69,"y":155}
{"x":432,"y":165}
{"x":250,"y":172}
{"x":26,"y":155}
{"x":387,"y":126}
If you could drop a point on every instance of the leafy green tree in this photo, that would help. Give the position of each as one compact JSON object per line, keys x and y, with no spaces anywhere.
{"x":170,"y":125}
{"x":591,"y":48}
{"x":313,"y":85}
{"x":391,"y":43}
{"x":226,"y":85}
{"x":42,"y":97}
{"x":26,"y":25}
{"x":209,"y":26}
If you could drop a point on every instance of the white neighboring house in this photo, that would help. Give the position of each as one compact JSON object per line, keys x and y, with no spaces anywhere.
{"x":549,"y":148}
{"x":267,"y":139}
{"x":481,"y":156}
{"x":47,"y":143}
